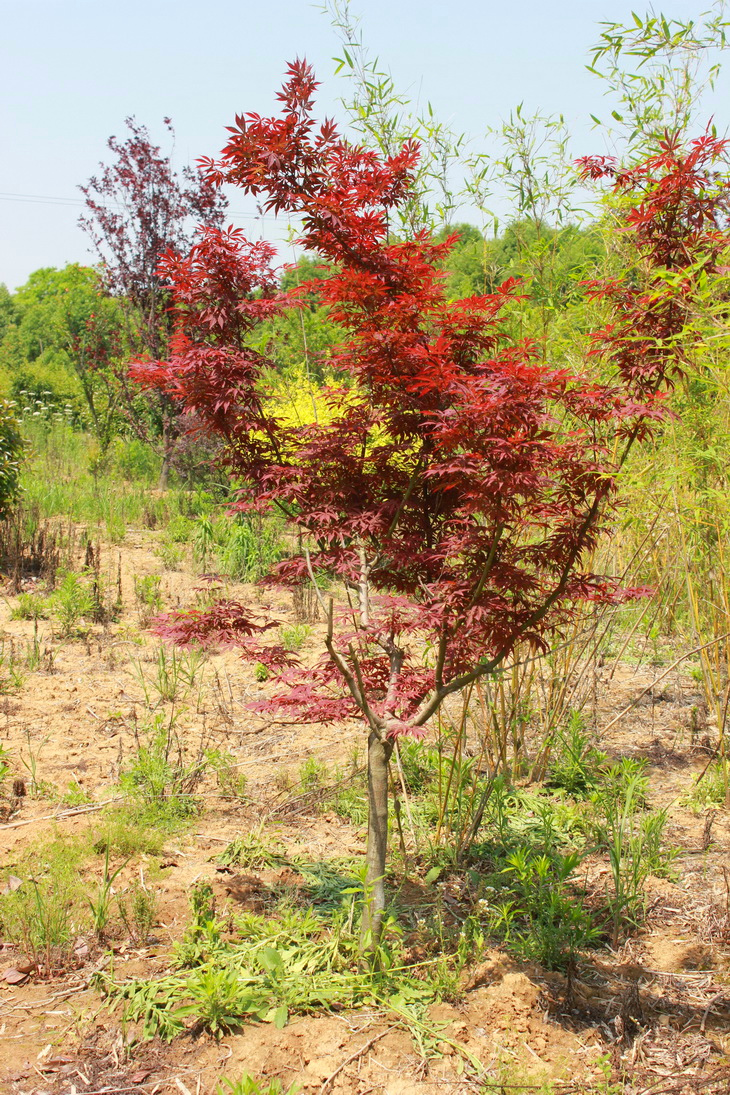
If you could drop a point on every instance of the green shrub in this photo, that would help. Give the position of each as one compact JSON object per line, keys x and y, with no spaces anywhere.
{"x":231,"y":780}
{"x":137,"y":461}
{"x":576,"y":765}
{"x":11,"y":455}
{"x":44,"y":914}
{"x":160,"y":775}
{"x":31,"y":606}
{"x":138,"y":911}
{"x":294,"y":636}
{"x":632,"y":837}
{"x":711,"y":788}
{"x":72,"y":604}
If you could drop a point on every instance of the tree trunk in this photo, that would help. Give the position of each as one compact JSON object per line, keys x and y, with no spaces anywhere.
{"x":379,"y":752}
{"x":167,"y":444}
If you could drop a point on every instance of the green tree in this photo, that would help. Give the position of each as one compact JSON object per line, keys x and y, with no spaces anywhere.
{"x":62,"y":339}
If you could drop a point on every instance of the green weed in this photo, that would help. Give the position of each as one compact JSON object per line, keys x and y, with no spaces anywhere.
{"x":576,"y":764}
{"x":174,"y":675}
{"x":75,"y":794}
{"x":138,"y":912}
{"x":313,"y":775}
{"x":5,"y":755}
{"x":129,"y":832}
{"x":101,"y":903}
{"x":148,"y":595}
{"x":538,"y":918}
{"x":203,"y":541}
{"x":160,"y":776}
{"x":270,"y":970}
{"x":253,"y":851}
{"x":73,"y":605}
{"x":37,"y":787}
{"x":44,"y":915}
{"x":247,"y":547}
{"x":31,"y":606}
{"x":229,"y":777}
{"x":11,"y":674}
{"x":170,"y":556}
{"x":247,"y":1085}
{"x":294,"y":636}
{"x":711,"y":788}
{"x":632,"y":837}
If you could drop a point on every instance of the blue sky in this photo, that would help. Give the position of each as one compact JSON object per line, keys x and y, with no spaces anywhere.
{"x":72,"y":70}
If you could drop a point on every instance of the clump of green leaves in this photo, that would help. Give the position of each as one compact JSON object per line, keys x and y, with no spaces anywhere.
{"x":31,"y":606}
{"x":73,"y":605}
{"x":267,"y":970}
{"x":138,"y":912}
{"x":294,"y":636}
{"x":229,"y":777}
{"x":148,"y":595}
{"x":247,"y":1085}
{"x":44,"y":915}
{"x":253,"y":851}
{"x":632,"y":837}
{"x":160,"y":775}
{"x":576,"y":765}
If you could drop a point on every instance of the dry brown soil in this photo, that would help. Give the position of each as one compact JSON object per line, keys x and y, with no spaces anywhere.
{"x":656,"y":1012}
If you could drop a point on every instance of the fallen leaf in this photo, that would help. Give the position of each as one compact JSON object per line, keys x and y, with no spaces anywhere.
{"x":13,"y":883}
{"x":14,"y":977}
{"x":57,"y":1064}
{"x":140,"y":1076}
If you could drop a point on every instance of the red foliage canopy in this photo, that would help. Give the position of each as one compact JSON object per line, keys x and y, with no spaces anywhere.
{"x":460,"y":480}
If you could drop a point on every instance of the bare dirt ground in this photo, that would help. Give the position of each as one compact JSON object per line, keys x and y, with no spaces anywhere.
{"x":651,"y":1016}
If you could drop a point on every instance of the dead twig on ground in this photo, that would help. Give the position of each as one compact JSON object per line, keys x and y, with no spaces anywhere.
{"x":353,"y":1057}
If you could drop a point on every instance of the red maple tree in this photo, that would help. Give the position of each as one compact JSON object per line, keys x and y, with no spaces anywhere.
{"x":459,"y":481}
{"x":139,"y":208}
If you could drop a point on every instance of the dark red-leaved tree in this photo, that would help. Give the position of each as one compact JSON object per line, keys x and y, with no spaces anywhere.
{"x":459,"y":481}
{"x":139,"y":209}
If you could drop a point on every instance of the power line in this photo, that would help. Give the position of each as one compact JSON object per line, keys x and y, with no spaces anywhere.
{"x":51,"y":199}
